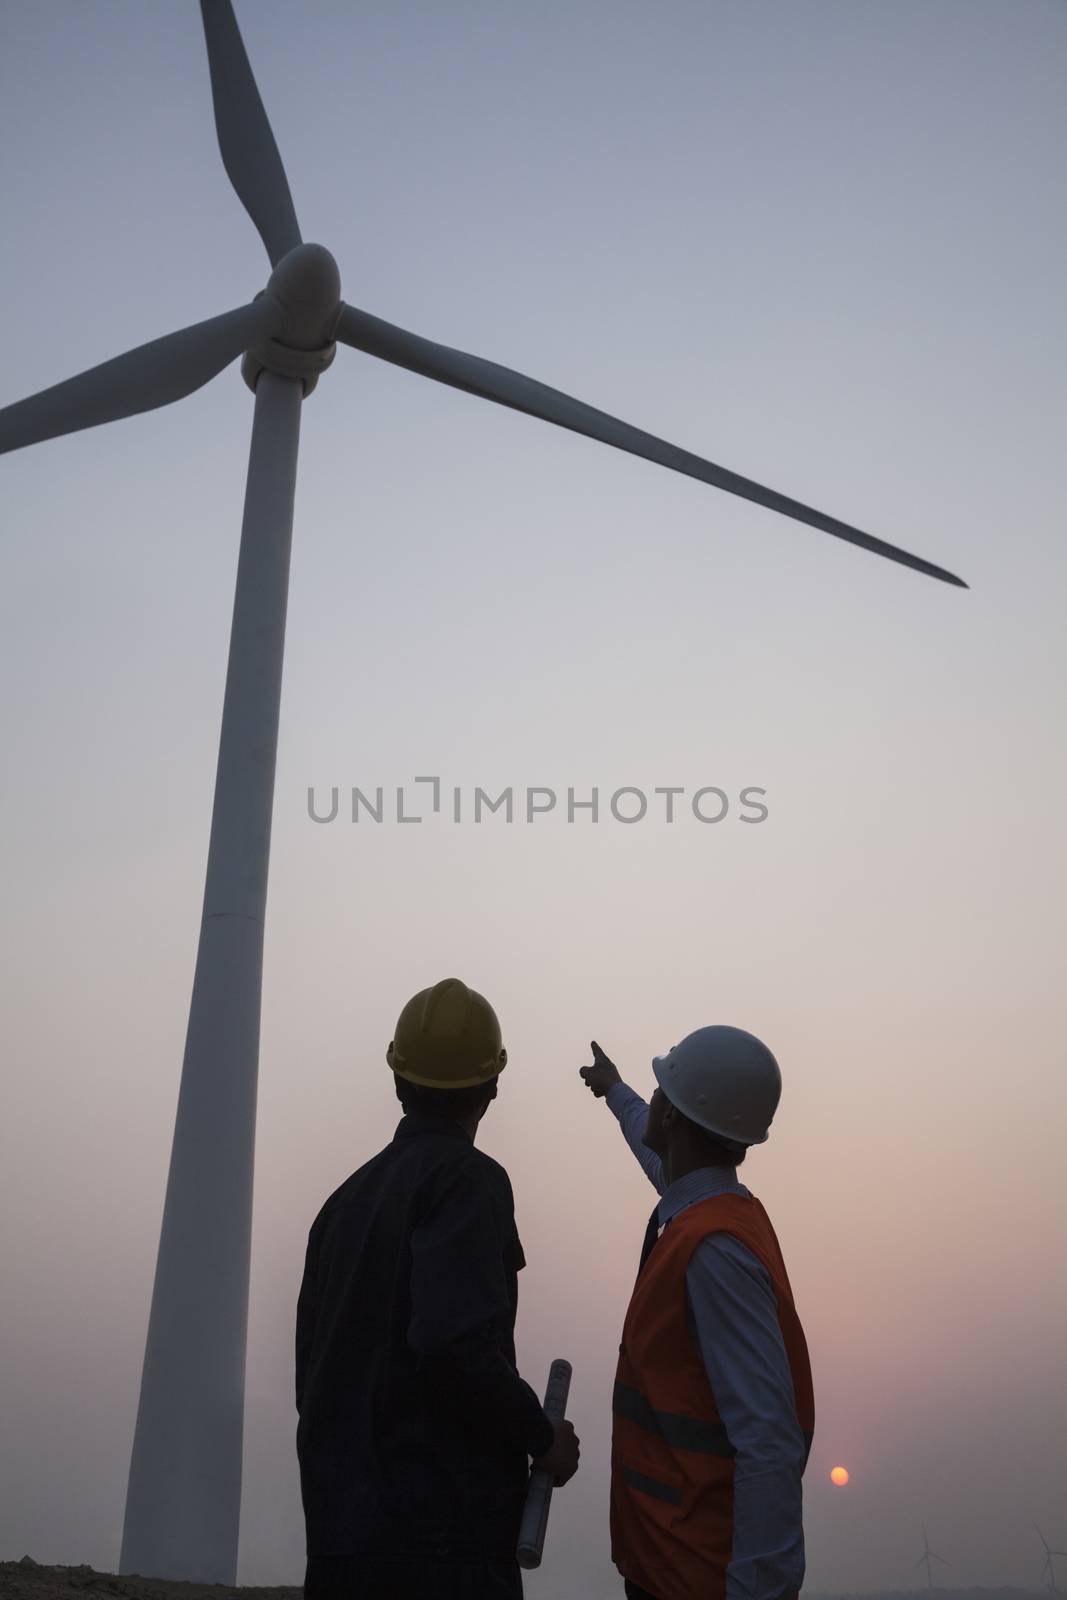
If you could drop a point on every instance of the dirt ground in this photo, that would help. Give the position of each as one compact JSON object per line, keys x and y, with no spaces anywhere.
{"x":29,"y":1580}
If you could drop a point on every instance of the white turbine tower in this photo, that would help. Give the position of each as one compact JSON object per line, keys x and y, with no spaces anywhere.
{"x":183,"y":1498}
{"x":927,"y":1556}
{"x":1048,"y":1567}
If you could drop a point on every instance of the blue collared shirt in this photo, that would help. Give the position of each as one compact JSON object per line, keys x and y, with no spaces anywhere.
{"x":733,"y":1317}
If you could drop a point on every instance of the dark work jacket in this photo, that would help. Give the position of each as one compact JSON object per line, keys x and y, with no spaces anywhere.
{"x":415,"y":1428}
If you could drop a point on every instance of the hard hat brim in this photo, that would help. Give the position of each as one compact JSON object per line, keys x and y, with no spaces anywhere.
{"x":451,"y":1083}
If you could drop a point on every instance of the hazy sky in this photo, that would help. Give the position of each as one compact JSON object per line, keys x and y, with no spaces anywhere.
{"x":822,"y":244}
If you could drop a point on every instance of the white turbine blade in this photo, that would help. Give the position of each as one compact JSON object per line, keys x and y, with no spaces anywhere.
{"x":151,"y":375}
{"x":507,"y":388}
{"x":249,"y":152}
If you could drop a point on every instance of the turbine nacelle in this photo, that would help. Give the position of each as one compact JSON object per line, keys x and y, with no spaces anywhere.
{"x":306,"y":285}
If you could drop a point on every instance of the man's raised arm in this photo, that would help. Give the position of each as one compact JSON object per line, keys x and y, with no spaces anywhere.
{"x":627,"y":1106}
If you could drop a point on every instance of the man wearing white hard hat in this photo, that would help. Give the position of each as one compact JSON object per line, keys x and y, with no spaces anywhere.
{"x":713,"y":1411}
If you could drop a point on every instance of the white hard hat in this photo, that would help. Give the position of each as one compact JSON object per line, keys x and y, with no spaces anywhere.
{"x":724,"y":1079}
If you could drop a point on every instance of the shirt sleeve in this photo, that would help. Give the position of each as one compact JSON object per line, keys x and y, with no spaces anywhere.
{"x":632,"y":1113}
{"x":306,"y":1313}
{"x":735,"y":1318}
{"x":460,"y":1313}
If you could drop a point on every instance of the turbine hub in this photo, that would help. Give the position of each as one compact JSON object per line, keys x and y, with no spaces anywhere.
{"x":307,"y":285}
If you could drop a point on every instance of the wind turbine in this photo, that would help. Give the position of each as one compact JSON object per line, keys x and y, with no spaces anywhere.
{"x":1048,"y":1567}
{"x":928,"y":1555}
{"x":183,"y":1496}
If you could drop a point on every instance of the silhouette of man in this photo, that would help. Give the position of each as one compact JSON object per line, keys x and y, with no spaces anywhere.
{"x":713,"y":1410}
{"x":415,"y":1429}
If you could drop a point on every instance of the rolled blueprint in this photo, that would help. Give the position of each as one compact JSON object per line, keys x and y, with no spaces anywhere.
{"x":539,"y":1494}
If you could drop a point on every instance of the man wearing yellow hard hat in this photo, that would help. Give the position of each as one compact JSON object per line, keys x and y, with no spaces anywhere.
{"x":416,"y":1430}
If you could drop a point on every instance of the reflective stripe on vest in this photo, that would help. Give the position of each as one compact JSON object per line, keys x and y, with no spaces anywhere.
{"x":652,"y":1486}
{"x":681,"y":1433}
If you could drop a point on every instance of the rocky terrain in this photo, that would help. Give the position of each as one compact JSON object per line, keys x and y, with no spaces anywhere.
{"x":29,"y":1580}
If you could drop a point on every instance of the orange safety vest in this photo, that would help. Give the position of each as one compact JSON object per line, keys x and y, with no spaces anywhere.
{"x":672,"y":1467}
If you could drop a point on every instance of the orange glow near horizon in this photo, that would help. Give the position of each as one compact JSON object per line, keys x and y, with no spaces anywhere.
{"x":839,"y":1475}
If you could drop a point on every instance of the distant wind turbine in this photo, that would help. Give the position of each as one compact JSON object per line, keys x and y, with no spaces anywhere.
{"x":928,"y":1555}
{"x":183,"y":1496}
{"x":1049,"y":1567}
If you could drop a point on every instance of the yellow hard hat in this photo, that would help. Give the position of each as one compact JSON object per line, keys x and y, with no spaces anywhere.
{"x":447,"y":1037}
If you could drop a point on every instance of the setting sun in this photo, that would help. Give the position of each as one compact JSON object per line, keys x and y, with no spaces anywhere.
{"x":839,"y":1476}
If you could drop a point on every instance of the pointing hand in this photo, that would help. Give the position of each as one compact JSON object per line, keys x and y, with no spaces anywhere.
{"x":601,"y":1075}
